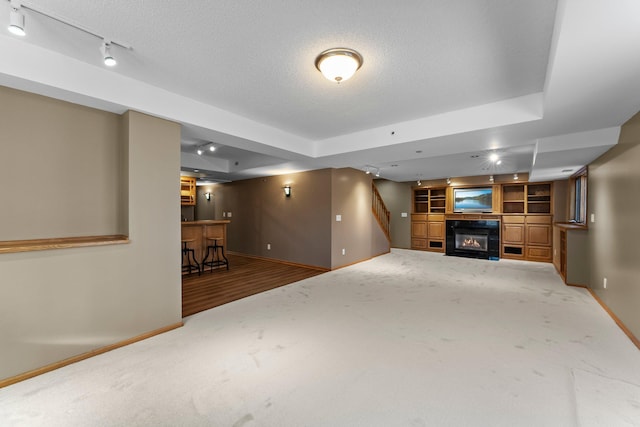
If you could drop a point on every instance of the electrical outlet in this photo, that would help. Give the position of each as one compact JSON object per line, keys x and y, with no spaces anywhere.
{"x":593,"y":217}
{"x":224,"y":214}
{"x":268,"y":246}
{"x":338,"y":218}
{"x":344,"y":251}
{"x":228,"y":214}
{"x":604,"y":283}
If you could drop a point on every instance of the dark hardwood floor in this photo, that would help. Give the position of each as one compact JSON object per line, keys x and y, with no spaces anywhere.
{"x":246,"y":276}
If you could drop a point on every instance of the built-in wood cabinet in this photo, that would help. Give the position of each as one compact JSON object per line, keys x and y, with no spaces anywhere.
{"x":523,"y":198}
{"x":527,"y":237}
{"x":513,"y":236}
{"x":187,"y":191}
{"x":571,"y":256}
{"x":524,"y":209}
{"x":427,"y":220}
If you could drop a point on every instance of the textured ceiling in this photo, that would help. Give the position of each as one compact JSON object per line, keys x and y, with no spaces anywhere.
{"x":441,"y":80}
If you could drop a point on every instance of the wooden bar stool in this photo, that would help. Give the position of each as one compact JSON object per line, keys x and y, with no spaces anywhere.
{"x":215,"y":245}
{"x":189,"y":255}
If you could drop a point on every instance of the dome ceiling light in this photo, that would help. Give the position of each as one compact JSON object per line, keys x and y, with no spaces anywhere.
{"x":339,"y":64}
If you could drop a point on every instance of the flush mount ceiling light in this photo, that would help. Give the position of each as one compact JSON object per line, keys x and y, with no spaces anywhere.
{"x":16,"y":20}
{"x":339,"y":64}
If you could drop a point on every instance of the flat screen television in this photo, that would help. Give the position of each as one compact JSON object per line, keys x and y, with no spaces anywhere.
{"x":473,"y":199}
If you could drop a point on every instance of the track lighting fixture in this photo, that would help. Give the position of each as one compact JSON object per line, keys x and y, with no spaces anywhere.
{"x":200,"y":149}
{"x":108,"y":59}
{"x":491,"y":178}
{"x":16,"y":20}
{"x":419,"y":183}
{"x":16,"y":26}
{"x":515,"y":176}
{"x":448,"y":181}
{"x":378,"y":172}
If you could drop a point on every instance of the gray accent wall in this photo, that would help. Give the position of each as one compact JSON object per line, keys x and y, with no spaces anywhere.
{"x":57,"y":304}
{"x":614,"y":200}
{"x":302,"y":228}
{"x":297,"y":228}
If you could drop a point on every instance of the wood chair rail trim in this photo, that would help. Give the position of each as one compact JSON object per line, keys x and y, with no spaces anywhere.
{"x":13,"y":246}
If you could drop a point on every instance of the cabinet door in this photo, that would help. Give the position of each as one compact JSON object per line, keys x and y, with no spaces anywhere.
{"x":513,"y":234}
{"x":539,"y":234}
{"x":419,"y":229}
{"x":436,"y":230}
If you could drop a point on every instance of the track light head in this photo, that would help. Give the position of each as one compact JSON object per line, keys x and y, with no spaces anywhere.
{"x":419,"y":183}
{"x":16,"y":22}
{"x":212,"y":148}
{"x":199,"y":151}
{"x":109,"y":60}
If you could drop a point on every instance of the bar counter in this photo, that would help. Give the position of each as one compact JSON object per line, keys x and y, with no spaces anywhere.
{"x":200,"y":230}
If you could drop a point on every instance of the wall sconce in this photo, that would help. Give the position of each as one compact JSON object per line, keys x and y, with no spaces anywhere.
{"x":207,"y":196}
{"x":287,"y":191}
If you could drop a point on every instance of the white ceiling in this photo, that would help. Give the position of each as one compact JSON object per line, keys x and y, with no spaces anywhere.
{"x":546,"y":84}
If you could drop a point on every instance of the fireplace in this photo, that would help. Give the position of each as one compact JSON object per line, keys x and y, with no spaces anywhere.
{"x":475,"y":239}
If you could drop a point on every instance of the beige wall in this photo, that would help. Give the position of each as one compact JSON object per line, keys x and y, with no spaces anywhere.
{"x":614,"y":199}
{"x":397,"y":198}
{"x":61,"y":303}
{"x":59,"y":176}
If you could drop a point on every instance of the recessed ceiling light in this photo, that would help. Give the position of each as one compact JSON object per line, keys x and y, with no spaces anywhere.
{"x":567,"y":170}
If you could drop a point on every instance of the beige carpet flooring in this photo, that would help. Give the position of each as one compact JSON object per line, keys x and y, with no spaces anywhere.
{"x":406,"y":339}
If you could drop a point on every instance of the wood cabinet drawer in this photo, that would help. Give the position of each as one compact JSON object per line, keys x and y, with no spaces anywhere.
{"x":419,"y":217}
{"x":537,"y":253}
{"x":513,"y":219}
{"x":418,"y":243}
{"x":436,"y":217}
{"x":538,"y":219}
